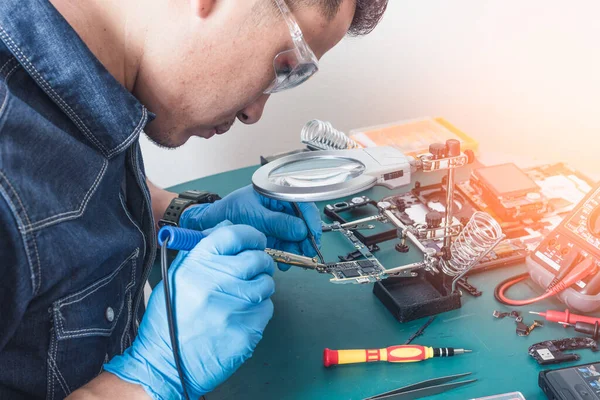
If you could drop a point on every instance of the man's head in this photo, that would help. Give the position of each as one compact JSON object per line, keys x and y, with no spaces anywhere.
{"x":206,"y":65}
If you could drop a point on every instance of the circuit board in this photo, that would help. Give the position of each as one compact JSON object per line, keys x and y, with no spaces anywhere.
{"x":563,"y":186}
{"x":367,"y":270}
{"x":361,"y":271}
{"x":412,"y":207}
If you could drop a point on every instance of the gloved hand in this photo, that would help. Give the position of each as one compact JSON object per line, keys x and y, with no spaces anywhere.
{"x":276,"y":219}
{"x":221,"y":297}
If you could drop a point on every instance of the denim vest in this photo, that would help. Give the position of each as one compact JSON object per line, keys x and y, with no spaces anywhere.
{"x":76,"y":227}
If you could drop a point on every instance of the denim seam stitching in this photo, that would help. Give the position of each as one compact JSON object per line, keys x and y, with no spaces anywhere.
{"x":145,"y":268}
{"x":90,"y":331}
{"x":55,"y":219}
{"x":45,"y":85}
{"x":11,"y":59}
{"x":57,"y":374}
{"x":35,"y":280}
{"x":6,"y":80}
{"x":99,"y":284}
{"x":68,"y":334}
{"x":54,"y":378}
{"x":49,"y":374}
{"x":127,"y":321}
{"x":132,"y":221}
{"x":94,"y":331}
{"x":133,"y":276}
{"x":129,"y":302}
{"x":132,"y":136}
{"x":60,"y":376}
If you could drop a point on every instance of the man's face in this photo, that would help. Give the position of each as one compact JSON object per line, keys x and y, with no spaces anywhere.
{"x":201,"y":74}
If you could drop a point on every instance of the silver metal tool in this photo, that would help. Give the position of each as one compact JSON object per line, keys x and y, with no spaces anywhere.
{"x":295,"y":259}
{"x":356,"y":224}
{"x":425,"y":388}
{"x":310,"y":235}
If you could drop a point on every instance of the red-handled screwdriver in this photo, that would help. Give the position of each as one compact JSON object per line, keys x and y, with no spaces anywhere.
{"x":402,"y":353}
{"x":566,"y":316}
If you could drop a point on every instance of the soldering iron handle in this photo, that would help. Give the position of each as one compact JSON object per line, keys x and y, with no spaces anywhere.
{"x":179,"y":238}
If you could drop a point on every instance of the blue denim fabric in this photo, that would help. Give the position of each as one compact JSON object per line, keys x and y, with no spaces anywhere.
{"x":76,"y":228}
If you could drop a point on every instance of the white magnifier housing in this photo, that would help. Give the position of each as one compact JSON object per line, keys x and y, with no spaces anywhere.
{"x":330,"y":174}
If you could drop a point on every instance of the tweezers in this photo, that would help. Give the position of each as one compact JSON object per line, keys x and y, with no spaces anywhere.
{"x":425,"y":388}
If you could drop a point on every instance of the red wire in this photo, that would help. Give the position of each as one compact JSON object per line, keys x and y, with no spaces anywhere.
{"x":502,"y":289}
{"x":583,"y":269}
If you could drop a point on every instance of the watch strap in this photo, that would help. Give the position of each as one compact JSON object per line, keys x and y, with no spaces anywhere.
{"x":183,"y":201}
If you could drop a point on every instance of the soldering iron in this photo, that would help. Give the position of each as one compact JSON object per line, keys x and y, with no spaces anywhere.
{"x":187,"y":239}
{"x":170,"y":237}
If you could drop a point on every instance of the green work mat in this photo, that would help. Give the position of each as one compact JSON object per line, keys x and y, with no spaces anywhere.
{"x":311,"y":314}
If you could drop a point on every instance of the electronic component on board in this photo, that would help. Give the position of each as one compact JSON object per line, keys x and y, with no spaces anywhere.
{"x":562,"y":186}
{"x":416,"y":209}
{"x":511,"y":193}
{"x":552,"y":351}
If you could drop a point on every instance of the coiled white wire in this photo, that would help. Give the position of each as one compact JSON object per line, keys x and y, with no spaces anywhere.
{"x":323,"y":136}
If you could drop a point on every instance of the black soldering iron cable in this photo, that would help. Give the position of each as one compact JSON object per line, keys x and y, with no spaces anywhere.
{"x":170,"y":318}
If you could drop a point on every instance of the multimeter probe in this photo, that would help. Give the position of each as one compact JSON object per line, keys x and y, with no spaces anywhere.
{"x":582,"y":270}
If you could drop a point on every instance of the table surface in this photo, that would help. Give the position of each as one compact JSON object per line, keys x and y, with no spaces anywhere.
{"x":311,"y":314}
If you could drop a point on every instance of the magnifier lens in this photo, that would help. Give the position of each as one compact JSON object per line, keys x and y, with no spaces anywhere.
{"x":316,"y":172}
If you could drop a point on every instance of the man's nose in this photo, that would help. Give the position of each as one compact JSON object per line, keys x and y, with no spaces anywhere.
{"x":252,"y":112}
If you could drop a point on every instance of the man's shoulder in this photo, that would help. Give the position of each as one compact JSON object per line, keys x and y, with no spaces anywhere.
{"x":60,"y":64}
{"x":47,"y":169}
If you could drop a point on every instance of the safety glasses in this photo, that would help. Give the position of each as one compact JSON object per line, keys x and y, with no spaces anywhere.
{"x":292,"y":67}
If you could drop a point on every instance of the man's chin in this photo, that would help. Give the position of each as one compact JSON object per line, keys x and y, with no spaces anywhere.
{"x":173,"y":140}
{"x":165,"y":141}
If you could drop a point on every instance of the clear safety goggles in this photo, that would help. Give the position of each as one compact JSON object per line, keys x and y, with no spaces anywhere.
{"x":292,"y":67}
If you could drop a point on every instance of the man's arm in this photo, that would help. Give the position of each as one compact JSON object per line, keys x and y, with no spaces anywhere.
{"x":108,"y":386}
{"x":160,"y":200}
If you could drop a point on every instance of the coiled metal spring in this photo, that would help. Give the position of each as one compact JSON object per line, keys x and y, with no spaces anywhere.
{"x":322,"y":135}
{"x":481,"y":234}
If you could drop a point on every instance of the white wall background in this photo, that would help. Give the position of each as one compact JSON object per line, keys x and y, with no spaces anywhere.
{"x":522,"y":77}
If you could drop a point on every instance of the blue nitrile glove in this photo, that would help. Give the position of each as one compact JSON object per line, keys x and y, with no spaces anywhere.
{"x":221,"y":291}
{"x":274,"y":218}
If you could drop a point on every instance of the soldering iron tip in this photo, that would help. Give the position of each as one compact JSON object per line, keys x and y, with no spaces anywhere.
{"x":535,"y":312}
{"x":468,"y":351}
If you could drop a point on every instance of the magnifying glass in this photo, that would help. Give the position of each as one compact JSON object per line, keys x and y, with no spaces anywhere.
{"x":330,"y":174}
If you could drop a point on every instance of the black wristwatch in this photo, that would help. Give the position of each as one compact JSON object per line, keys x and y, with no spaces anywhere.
{"x":183,"y":201}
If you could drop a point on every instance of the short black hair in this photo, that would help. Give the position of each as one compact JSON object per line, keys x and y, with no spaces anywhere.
{"x":366,"y":17}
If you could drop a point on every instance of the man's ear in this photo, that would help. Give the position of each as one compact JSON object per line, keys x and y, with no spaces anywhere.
{"x":202,"y":8}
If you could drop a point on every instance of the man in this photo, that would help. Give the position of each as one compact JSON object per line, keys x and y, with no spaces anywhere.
{"x":76,"y":219}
